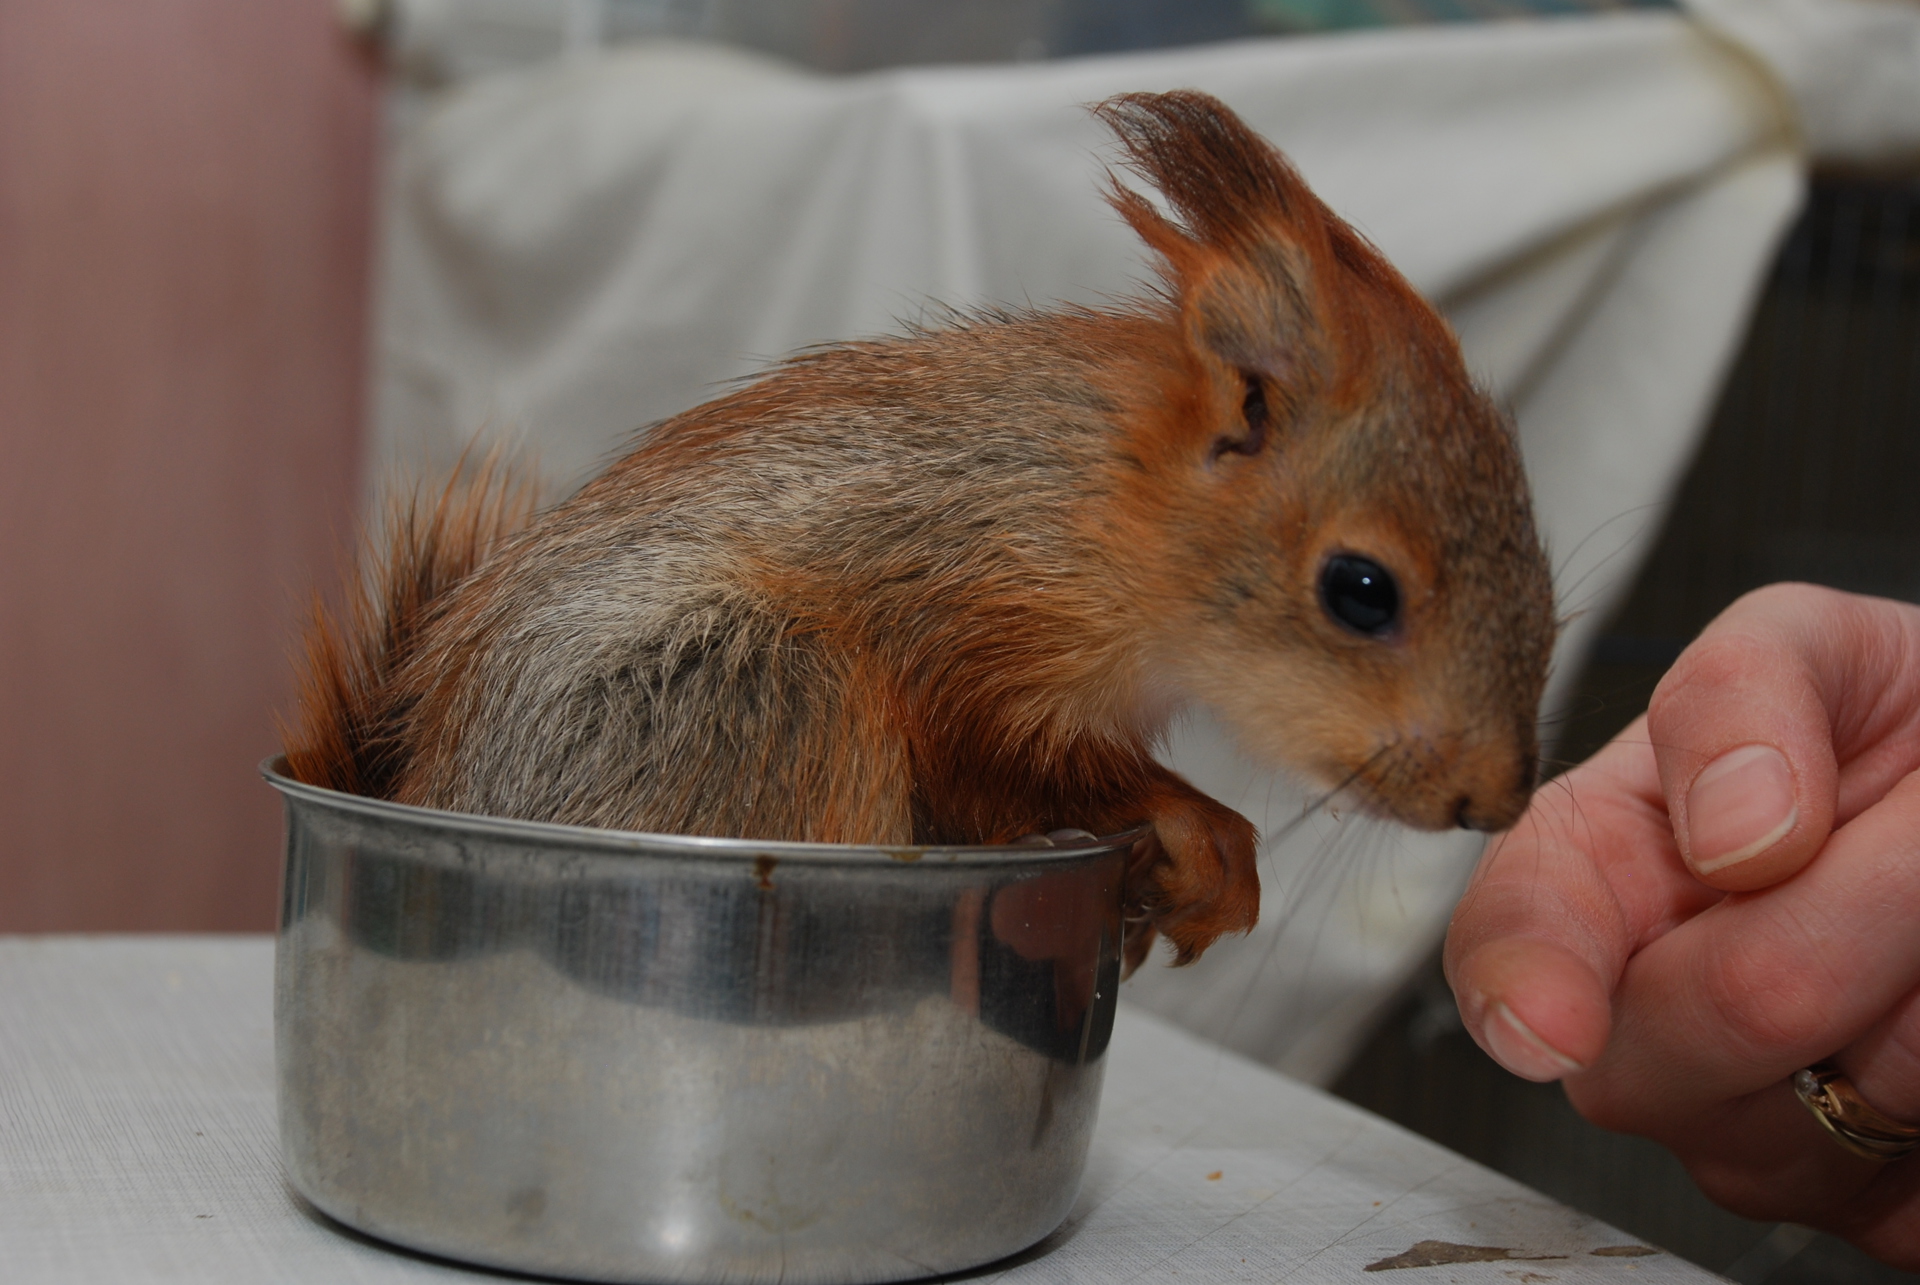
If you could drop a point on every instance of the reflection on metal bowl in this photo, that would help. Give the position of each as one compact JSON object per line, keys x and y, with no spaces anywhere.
{"x":634,"y":1057}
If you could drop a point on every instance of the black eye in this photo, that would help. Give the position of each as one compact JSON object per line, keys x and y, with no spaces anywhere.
{"x":1360,"y":594}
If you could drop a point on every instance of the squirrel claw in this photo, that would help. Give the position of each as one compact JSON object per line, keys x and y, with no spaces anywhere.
{"x":1195,"y":880}
{"x":1137,"y":938}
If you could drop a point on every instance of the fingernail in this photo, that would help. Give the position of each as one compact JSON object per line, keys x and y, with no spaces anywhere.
{"x":1515,"y":1046}
{"x":1740,"y":805}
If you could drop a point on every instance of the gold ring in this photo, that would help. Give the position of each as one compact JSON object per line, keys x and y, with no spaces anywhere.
{"x":1854,"y":1124}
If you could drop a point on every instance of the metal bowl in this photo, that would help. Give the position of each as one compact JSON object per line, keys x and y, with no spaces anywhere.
{"x":639,"y":1057}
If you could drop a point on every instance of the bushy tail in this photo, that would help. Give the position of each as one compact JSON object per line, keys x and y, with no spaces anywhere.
{"x":348,"y":728}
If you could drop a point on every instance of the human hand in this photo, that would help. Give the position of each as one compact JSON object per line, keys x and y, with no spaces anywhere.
{"x":1727,"y":893}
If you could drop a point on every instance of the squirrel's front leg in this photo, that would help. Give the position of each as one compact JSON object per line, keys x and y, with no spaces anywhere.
{"x":1197,"y":880}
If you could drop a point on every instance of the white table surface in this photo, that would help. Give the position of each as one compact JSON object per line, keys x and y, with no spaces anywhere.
{"x":137,"y":1144}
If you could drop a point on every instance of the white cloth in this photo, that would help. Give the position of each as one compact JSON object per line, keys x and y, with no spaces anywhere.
{"x":578,"y":249}
{"x":1850,"y":67}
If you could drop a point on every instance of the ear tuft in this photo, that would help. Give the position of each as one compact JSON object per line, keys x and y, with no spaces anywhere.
{"x":1224,"y":180}
{"x":1267,"y":278}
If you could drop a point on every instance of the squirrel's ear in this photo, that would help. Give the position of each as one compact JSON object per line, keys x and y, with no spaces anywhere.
{"x":1252,"y":260}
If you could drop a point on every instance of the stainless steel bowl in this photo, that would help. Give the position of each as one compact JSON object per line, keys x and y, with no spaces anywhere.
{"x":638,"y":1057}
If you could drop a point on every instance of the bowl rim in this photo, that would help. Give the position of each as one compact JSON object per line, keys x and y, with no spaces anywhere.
{"x":552,"y":834}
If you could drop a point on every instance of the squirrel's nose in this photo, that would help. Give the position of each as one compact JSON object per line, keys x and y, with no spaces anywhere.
{"x":1501,"y":809}
{"x":1469,"y":816}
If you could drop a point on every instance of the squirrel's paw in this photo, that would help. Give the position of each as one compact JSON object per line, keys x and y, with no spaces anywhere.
{"x":1197,"y":882}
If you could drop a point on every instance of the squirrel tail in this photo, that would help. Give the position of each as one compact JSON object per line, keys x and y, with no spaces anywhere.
{"x":347,"y":728}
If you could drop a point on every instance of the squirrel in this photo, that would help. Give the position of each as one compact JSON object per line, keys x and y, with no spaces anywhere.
{"x":950,"y":587}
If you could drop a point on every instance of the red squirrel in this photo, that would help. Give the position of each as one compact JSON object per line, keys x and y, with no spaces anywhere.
{"x":950,"y":587}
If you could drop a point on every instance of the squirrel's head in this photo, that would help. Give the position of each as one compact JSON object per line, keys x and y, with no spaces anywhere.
{"x":1334,"y":533}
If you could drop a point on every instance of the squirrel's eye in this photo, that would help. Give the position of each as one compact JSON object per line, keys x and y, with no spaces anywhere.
{"x":1360,"y":594}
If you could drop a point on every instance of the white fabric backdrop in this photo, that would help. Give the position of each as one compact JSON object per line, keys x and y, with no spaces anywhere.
{"x":578,"y":249}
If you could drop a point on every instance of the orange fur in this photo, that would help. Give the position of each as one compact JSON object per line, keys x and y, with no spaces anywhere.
{"x":948,"y":588}
{"x":345,"y":734}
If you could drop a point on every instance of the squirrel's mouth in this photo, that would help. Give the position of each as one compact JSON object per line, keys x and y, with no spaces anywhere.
{"x":1430,"y":783}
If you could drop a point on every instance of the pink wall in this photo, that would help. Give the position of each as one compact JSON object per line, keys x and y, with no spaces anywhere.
{"x":185,"y":227}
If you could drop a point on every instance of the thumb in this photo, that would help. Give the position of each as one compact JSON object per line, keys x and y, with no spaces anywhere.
{"x":1744,"y":728}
